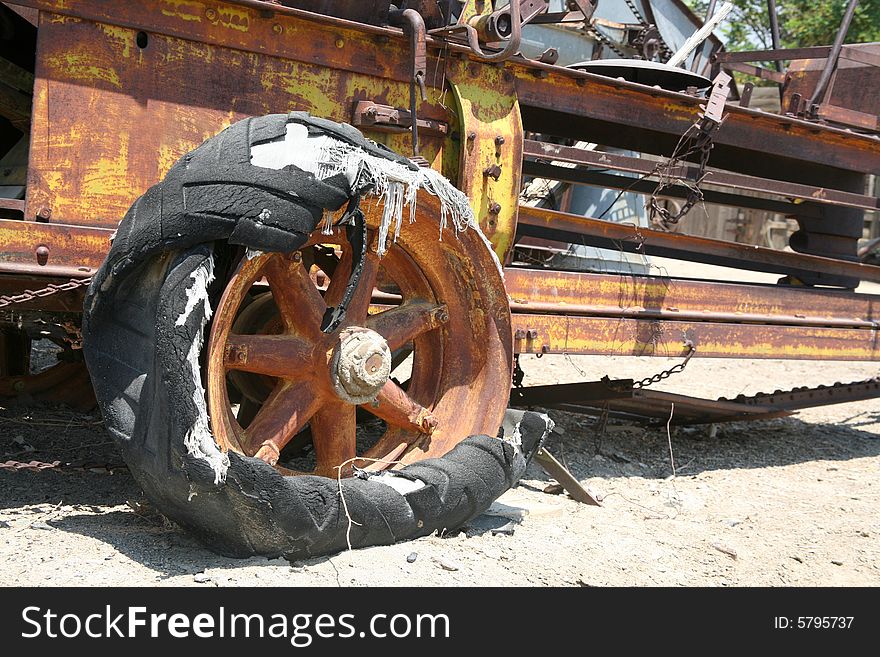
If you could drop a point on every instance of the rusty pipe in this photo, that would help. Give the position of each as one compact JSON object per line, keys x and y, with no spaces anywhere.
{"x":414,"y":26}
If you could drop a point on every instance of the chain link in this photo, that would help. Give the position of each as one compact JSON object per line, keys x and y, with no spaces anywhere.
{"x":604,"y":40}
{"x":59,"y":466}
{"x":664,"y":48}
{"x":30,"y":295}
{"x":665,"y":374}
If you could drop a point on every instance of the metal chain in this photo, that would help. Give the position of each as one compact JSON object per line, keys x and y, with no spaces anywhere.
{"x":664,"y":48}
{"x":665,"y":374}
{"x":604,"y":40}
{"x":697,"y":139}
{"x":636,"y":12}
{"x":58,"y":466}
{"x":30,"y":295}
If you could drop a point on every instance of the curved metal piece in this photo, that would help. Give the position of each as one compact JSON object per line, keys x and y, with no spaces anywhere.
{"x":473,"y":37}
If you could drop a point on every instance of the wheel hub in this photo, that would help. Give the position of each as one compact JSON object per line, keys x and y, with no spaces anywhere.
{"x":360,"y":366}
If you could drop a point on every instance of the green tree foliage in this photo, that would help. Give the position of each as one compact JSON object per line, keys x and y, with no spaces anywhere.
{"x":801,"y":22}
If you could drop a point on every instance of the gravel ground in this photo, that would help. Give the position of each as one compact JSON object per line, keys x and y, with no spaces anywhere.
{"x":790,"y":501}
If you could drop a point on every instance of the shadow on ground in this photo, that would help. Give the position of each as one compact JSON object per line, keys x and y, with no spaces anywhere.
{"x":626,"y":449}
{"x":96,"y":503}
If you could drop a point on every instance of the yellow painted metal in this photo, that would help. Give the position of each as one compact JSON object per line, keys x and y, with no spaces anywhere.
{"x":490,"y":170}
{"x":111,"y":117}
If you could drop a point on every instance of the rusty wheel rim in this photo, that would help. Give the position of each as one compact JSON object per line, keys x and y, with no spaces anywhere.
{"x":449,"y":306}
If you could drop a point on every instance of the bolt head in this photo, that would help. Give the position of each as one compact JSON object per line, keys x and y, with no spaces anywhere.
{"x":42,"y":253}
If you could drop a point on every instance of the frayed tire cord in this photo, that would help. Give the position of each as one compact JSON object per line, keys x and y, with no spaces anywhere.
{"x":144,"y":319}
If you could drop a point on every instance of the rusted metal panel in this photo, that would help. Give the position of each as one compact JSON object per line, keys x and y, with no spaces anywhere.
{"x":635,"y":337}
{"x":534,"y":290}
{"x":70,"y":250}
{"x":854,"y":86}
{"x":490,"y":169}
{"x":539,"y":222}
{"x":159,"y":102}
{"x":255,"y":27}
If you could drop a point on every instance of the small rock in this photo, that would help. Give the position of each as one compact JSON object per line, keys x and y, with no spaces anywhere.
{"x":4,"y":524}
{"x":554,"y":489}
{"x":39,"y":524}
{"x":506,"y":529}
{"x":797,"y":558}
{"x":411,"y":557}
{"x":446,"y":564}
{"x":201,"y":578}
{"x":732,"y":522}
{"x":836,"y":563}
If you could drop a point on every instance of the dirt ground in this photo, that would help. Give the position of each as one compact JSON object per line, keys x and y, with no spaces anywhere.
{"x":790,"y":501}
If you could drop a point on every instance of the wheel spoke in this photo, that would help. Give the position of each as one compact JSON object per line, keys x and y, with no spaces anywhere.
{"x":400,"y":325}
{"x":334,"y":434}
{"x":399,"y":410}
{"x":283,"y":356}
{"x":298,"y":301}
{"x":360,"y":302}
{"x":363,"y":295}
{"x":339,"y":278}
{"x":284,"y":413}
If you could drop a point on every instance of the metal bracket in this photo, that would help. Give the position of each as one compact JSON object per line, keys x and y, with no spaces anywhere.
{"x":385,"y":118}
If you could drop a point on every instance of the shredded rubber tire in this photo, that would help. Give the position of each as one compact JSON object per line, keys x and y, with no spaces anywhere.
{"x":143,"y":330}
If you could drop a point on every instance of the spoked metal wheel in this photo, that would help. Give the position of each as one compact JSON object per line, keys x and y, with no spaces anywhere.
{"x":272,"y":373}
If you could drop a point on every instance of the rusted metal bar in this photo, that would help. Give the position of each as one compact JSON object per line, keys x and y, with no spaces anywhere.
{"x":576,"y":104}
{"x":385,"y":118}
{"x":12,"y":204}
{"x":565,"y":290}
{"x":818,"y":194}
{"x":614,"y":336}
{"x":572,"y":393}
{"x":846,"y":116}
{"x":561,"y":474}
{"x":819,"y":396}
{"x":593,"y":310}
{"x":51,"y":249}
{"x":758,"y":72}
{"x":679,"y":410}
{"x":813,"y":52}
{"x":644,"y":186}
{"x":539,"y":222}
